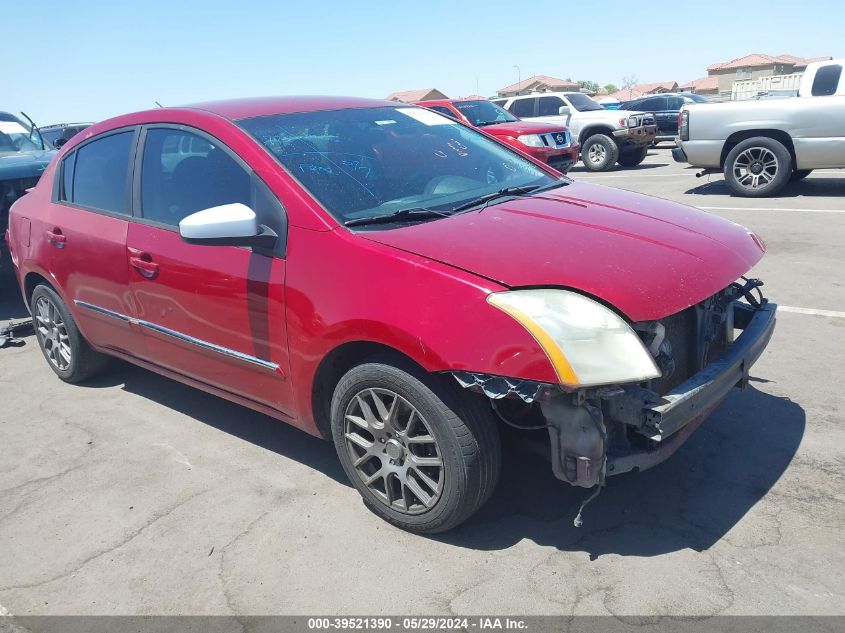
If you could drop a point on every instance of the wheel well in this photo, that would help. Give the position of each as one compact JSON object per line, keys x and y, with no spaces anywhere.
{"x":737,"y":137}
{"x":590,"y":131}
{"x":30,"y":281}
{"x":333,"y":366}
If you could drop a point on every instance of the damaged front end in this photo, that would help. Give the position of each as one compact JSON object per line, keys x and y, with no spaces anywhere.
{"x":602,"y":431}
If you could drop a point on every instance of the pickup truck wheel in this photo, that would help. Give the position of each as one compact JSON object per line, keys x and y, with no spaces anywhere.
{"x":758,"y":167}
{"x":632,"y":157}
{"x":599,"y":152}
{"x":800,"y":174}
{"x":67,"y":353}
{"x":424,"y":455}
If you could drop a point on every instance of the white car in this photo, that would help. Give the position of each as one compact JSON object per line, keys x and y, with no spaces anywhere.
{"x":607,"y":137}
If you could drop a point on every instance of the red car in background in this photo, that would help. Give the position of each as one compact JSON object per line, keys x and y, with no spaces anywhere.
{"x":386,"y":277}
{"x":550,"y":143}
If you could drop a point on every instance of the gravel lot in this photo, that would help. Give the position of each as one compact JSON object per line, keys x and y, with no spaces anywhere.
{"x":138,"y":495}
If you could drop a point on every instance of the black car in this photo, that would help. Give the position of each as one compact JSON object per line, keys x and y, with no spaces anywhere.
{"x":666,"y":108}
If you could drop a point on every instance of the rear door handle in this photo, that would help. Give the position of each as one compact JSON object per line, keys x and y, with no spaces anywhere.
{"x":56,"y":238}
{"x":143,"y":263}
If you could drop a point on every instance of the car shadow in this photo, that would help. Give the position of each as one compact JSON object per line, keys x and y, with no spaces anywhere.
{"x":811,"y":187}
{"x":580,"y":169}
{"x":12,"y":307}
{"x":689,"y":502}
{"x":228,"y":417}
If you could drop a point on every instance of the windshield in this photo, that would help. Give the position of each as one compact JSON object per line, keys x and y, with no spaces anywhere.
{"x":369,"y":162}
{"x":16,"y":136}
{"x":481,"y":113}
{"x":583,"y":103}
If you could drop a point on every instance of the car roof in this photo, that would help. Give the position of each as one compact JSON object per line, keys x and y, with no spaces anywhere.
{"x":235,"y":109}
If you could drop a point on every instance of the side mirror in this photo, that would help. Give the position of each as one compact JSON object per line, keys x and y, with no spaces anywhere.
{"x":59,"y":142}
{"x":564,"y":110}
{"x":227,"y":225}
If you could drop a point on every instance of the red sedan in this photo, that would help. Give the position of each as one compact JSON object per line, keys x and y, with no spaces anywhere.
{"x":383,"y":276}
{"x":547,"y":142}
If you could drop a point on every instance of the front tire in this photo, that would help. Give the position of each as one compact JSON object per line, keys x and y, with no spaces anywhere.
{"x":758,"y":167}
{"x":599,"y":152}
{"x":632,"y":157}
{"x":423,"y":454}
{"x":67,"y":352}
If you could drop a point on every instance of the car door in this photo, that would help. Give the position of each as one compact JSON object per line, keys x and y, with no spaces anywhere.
{"x":673,"y":107}
{"x":215,"y":314}
{"x":659,"y":106}
{"x":548,"y":109}
{"x":84,"y":230}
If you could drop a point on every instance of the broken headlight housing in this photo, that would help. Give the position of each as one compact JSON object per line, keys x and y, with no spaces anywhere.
{"x":587,"y":343}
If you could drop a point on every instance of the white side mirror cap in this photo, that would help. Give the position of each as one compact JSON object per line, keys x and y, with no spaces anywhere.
{"x":226,"y":221}
{"x":564,"y":110}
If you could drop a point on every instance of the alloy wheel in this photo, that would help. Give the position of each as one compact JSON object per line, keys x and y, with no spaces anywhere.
{"x":393,"y":451}
{"x":596,"y":154}
{"x":52,"y":333}
{"x":756,"y":167}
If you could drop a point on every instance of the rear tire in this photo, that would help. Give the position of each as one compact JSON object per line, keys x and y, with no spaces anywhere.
{"x":425,"y":478}
{"x":632,"y":157}
{"x":758,"y":167}
{"x":67,"y":352}
{"x":800,"y":174}
{"x":599,"y":152}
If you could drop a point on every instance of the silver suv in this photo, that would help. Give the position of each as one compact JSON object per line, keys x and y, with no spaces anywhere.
{"x":607,"y":137}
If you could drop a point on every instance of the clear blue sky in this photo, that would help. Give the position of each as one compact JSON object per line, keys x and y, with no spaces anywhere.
{"x":69,"y":60}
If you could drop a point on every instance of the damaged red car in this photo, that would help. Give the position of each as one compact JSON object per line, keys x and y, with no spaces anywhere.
{"x":384,"y":277}
{"x":547,"y":142}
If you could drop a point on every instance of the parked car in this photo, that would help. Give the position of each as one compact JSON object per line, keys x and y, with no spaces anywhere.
{"x":381,"y":275}
{"x":606,"y":136}
{"x":60,"y":133}
{"x":665,"y":108}
{"x":761,"y":145}
{"x":547,"y":142}
{"x":23,"y":157}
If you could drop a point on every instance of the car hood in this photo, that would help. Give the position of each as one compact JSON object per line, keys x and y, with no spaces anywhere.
{"x":518,"y":128}
{"x":647,"y":257}
{"x":25,"y":164}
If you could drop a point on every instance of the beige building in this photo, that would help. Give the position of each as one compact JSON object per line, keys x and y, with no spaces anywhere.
{"x":538,"y":83}
{"x":755,"y":66}
{"x":410,"y":96}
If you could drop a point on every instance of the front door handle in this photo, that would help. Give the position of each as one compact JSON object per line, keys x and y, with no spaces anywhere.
{"x":144,"y":264}
{"x":56,"y":238}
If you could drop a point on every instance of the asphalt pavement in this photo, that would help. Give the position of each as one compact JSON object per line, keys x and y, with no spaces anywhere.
{"x":134,"y":494}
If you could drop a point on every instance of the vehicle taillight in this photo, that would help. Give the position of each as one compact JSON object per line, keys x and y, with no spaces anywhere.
{"x":683,"y":124}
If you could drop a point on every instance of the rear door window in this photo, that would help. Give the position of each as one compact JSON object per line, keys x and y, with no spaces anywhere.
{"x":97,"y":174}
{"x":523,"y":107}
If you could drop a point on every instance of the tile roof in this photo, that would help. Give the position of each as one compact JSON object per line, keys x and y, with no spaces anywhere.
{"x":545,"y":80}
{"x":761,"y":59}
{"x":702,"y":83}
{"x":422,"y":94}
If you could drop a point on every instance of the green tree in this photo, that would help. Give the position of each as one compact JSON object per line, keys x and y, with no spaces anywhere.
{"x":592,"y":86}
{"x":611,"y":88}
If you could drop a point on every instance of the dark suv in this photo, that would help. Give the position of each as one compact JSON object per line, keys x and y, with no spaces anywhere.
{"x":665,"y":108}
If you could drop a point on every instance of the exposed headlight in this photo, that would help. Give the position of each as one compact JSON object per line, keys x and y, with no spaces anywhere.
{"x":531,"y":140}
{"x":587,"y":343}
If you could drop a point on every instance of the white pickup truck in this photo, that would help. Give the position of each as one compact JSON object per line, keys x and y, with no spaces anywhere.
{"x":761,"y":145}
